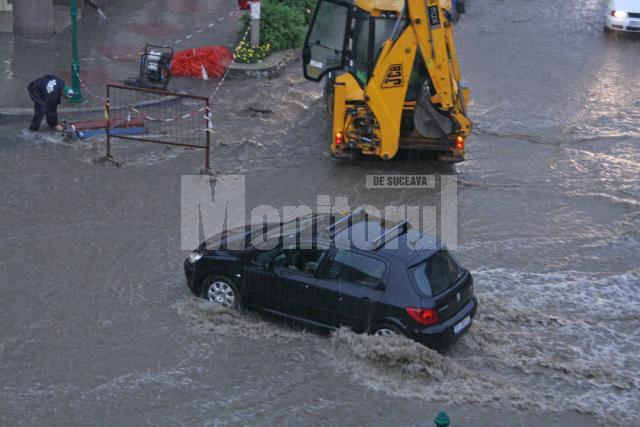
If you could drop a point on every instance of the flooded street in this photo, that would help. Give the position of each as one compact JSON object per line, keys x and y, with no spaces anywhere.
{"x":97,"y":326}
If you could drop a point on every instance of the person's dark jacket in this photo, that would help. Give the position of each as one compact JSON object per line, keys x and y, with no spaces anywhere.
{"x":47,"y":92}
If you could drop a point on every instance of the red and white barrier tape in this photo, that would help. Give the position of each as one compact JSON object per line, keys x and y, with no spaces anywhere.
{"x":178,"y":41}
{"x":208,"y":115}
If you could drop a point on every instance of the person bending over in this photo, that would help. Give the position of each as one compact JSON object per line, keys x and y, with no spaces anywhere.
{"x":46,"y":93}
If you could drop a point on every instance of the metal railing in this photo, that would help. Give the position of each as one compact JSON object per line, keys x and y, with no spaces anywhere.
{"x":177,"y":132}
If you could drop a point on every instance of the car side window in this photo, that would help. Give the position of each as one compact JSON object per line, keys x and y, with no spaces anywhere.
{"x":293,"y":258}
{"x":353,"y":267}
{"x":263,"y":257}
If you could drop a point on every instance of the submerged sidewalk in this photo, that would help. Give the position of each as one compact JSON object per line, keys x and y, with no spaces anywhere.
{"x":109,"y":49}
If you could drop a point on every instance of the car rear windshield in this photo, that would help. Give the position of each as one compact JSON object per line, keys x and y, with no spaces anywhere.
{"x":437,"y":274}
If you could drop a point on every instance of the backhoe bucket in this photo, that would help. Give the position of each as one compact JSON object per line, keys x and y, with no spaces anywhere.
{"x":427,"y":119}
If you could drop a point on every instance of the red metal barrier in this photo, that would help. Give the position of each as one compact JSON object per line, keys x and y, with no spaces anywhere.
{"x":179,"y":130}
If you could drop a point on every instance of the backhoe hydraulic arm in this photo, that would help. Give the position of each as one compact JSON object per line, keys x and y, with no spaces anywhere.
{"x":395,"y":78}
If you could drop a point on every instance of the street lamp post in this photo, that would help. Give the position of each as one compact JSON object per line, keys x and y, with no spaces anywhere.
{"x":75,"y":62}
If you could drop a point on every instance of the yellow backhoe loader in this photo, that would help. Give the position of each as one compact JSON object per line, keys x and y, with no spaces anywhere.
{"x":392,"y":76}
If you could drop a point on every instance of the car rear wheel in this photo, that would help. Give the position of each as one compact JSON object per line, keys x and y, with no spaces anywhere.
{"x":220,"y":290}
{"x":385,"y":331}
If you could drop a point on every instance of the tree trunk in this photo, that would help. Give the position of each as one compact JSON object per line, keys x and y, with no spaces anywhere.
{"x":33,"y":19}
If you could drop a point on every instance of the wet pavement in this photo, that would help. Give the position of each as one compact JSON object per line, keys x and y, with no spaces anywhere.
{"x":109,"y":49}
{"x":97,"y":325}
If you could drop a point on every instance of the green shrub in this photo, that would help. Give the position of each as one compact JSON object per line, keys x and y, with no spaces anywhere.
{"x":306,"y":6}
{"x":283,"y":23}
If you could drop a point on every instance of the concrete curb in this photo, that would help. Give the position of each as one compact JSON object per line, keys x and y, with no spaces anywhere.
{"x":269,"y":68}
{"x":28,"y":111}
{"x":8,"y":112}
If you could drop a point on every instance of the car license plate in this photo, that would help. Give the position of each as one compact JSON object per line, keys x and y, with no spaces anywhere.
{"x":461,"y":325}
{"x":634,"y":24}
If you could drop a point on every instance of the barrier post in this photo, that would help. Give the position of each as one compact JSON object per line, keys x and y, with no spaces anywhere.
{"x":107,"y":119}
{"x":208,"y":144}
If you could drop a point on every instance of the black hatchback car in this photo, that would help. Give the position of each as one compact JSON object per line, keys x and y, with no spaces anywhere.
{"x":357,"y":272}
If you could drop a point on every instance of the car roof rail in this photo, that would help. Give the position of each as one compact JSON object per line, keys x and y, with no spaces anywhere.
{"x":332,"y":227}
{"x":403,"y":227}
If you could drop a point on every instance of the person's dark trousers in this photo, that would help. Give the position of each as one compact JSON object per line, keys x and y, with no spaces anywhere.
{"x":52,"y":116}
{"x":39,"y":107}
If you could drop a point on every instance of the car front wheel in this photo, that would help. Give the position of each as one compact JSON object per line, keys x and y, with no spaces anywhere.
{"x":220,"y":290}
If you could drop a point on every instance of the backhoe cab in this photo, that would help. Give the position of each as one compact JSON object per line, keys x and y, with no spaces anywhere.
{"x":392,"y":76}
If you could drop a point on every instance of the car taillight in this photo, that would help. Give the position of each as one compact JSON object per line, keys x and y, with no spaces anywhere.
{"x":339,"y":138}
{"x":424,"y":316}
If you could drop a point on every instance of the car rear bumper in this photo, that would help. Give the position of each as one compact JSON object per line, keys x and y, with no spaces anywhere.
{"x":442,"y":335}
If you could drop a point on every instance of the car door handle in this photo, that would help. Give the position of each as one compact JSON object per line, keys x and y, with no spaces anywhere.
{"x":303,"y":286}
{"x":366,"y":300}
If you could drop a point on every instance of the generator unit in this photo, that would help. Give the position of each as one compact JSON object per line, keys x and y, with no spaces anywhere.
{"x":155,"y":68}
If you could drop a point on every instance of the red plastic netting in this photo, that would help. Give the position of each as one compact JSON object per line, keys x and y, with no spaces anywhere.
{"x":190,"y":62}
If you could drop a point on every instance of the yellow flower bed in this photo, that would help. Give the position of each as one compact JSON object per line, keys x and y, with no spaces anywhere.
{"x":247,"y":54}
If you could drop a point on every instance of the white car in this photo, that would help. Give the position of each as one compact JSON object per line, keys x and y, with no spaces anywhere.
{"x":623,"y":15}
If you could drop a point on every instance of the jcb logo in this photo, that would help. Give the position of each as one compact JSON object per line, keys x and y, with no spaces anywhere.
{"x":393,"y":78}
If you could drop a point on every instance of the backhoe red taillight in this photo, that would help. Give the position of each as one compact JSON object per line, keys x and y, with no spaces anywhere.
{"x":339,"y":139}
{"x":460,"y":143}
{"x":424,"y":316}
